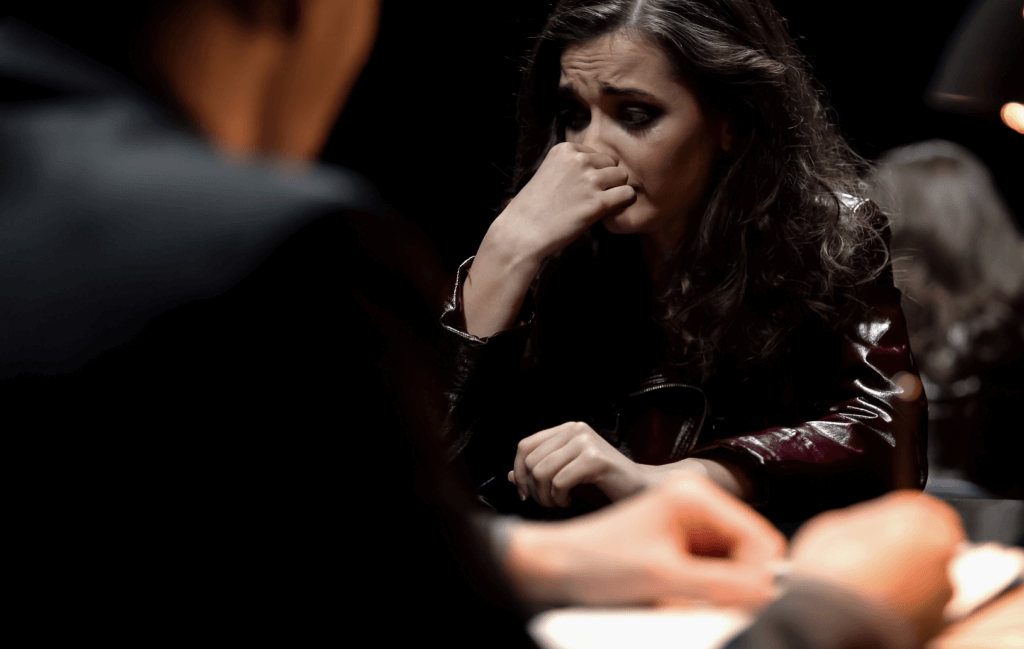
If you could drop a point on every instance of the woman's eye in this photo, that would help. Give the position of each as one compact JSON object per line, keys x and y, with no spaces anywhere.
{"x":637,"y":118}
{"x":574,"y":118}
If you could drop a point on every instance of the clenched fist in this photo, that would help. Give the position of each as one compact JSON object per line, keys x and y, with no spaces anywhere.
{"x":574,"y":188}
{"x":550,"y":463}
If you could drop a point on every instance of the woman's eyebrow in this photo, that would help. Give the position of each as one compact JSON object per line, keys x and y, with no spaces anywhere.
{"x":632,"y":92}
{"x":568,"y":91}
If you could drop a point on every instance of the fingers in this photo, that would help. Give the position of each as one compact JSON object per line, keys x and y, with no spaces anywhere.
{"x":528,"y":446}
{"x":590,"y":155}
{"x":576,"y":472}
{"x":550,"y":463}
{"x":600,"y":160}
{"x":720,"y":525}
{"x":618,"y":197}
{"x":549,"y":486}
{"x":609,"y":177}
{"x":525,"y":447}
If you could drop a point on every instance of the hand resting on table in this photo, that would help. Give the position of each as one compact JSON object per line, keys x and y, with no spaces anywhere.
{"x":684,"y":539}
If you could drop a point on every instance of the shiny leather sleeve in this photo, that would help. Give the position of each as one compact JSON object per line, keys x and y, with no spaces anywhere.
{"x":868,"y":434}
{"x":483,"y":376}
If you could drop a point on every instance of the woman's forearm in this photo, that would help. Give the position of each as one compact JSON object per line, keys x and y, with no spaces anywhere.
{"x":728,"y":477}
{"x":497,"y":283}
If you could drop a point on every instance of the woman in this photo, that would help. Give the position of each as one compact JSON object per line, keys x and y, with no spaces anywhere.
{"x":683,"y":280}
{"x":959,"y":261}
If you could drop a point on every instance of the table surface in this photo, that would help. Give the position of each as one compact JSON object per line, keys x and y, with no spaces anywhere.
{"x":999,"y":625}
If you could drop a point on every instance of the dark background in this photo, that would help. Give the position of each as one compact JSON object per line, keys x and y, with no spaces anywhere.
{"x":431,"y":120}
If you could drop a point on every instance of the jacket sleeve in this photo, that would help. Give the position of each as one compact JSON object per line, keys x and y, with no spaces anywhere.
{"x":867,"y":434}
{"x":483,"y":382}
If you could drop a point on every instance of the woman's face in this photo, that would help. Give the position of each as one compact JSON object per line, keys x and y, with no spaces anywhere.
{"x":622,"y":99}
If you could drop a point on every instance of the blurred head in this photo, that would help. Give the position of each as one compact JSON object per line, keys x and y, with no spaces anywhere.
{"x":728,"y":143}
{"x":957,"y":257}
{"x":942,"y":192}
{"x":257,"y":76}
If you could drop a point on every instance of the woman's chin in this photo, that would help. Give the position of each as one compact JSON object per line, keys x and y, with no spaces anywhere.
{"x":621,"y":223}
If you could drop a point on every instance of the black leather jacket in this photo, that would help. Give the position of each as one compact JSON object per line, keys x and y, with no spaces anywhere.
{"x":840,"y":417}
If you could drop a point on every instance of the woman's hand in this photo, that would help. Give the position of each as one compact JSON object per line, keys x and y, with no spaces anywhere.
{"x":684,"y":540}
{"x":574,"y":188}
{"x":550,"y":463}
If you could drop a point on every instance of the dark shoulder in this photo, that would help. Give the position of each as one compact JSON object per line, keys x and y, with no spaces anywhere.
{"x":78,"y":139}
{"x":118,"y":154}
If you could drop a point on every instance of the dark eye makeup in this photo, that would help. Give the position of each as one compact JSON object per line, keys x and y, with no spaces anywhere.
{"x":572,"y":116}
{"x":638,"y":117}
{"x":635,"y":117}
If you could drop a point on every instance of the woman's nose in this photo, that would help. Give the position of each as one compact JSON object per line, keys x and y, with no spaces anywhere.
{"x":595,"y":137}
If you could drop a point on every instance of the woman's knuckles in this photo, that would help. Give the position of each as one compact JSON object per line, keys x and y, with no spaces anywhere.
{"x":526,"y":446}
{"x":562,"y":483}
{"x":592,"y":455}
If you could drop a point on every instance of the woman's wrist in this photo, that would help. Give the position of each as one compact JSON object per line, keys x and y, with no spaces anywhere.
{"x":497,"y":283}
{"x":726,"y":476}
{"x":505,"y":245}
{"x":627,"y":479}
{"x":654,"y":475}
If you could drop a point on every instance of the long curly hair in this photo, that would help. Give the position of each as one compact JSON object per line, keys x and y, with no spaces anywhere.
{"x":782,"y":237}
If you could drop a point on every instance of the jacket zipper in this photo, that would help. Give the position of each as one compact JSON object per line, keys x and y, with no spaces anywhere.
{"x":704,"y":410}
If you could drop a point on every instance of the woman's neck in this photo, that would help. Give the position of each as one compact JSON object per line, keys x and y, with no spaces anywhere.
{"x":657,"y":251}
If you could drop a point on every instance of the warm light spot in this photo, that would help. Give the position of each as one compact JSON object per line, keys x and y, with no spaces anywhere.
{"x":1013,"y":116}
{"x":910,"y":386}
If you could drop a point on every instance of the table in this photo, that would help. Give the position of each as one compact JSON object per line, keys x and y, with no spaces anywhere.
{"x":1000,"y":625}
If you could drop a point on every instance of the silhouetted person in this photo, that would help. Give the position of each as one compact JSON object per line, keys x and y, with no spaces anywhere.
{"x":959,"y":261}
{"x":210,"y":345}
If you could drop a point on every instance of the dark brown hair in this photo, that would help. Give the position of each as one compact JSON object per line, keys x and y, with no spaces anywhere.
{"x":783,"y":237}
